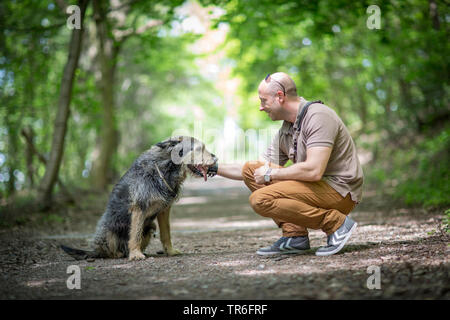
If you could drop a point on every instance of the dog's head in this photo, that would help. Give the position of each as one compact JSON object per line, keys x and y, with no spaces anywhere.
{"x":189,"y":152}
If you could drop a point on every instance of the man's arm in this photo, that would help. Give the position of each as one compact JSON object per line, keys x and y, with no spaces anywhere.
{"x":231,"y":171}
{"x":310,"y":170}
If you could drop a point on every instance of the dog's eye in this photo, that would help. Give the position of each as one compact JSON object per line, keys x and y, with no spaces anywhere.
{"x":181,"y":152}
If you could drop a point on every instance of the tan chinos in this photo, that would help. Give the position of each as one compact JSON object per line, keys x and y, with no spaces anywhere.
{"x":297,"y":205}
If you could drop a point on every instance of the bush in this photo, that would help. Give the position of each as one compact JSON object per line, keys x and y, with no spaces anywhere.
{"x":427,"y":174}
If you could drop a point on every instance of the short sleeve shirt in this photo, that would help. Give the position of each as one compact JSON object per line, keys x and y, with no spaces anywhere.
{"x":322,"y":127}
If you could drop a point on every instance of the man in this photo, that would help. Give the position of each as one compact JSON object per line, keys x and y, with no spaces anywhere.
{"x":323,"y":184}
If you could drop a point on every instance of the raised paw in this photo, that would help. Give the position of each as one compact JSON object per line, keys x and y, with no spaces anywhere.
{"x":136,"y":255}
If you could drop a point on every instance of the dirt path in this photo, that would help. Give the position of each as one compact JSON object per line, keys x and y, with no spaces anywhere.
{"x":219,"y":234}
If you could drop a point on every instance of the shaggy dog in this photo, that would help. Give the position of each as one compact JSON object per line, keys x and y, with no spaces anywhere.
{"x":145,"y":192}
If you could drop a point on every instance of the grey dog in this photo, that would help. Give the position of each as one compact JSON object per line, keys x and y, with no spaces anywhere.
{"x":145,"y":192}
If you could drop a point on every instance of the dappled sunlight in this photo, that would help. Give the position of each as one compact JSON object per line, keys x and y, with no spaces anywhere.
{"x":232,"y":263}
{"x":217,"y":184}
{"x":42,"y":283}
{"x":219,"y":224}
{"x":192,"y":200}
{"x":128,"y":265}
{"x":85,"y":119}
{"x":256,"y":272}
{"x":378,"y":233}
{"x":305,"y":265}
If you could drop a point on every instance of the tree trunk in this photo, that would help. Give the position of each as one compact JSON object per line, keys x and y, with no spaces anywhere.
{"x":434,"y":15}
{"x":11,"y":126}
{"x":60,"y":125}
{"x":29,"y":155}
{"x":108,"y":138}
{"x":407,"y":102}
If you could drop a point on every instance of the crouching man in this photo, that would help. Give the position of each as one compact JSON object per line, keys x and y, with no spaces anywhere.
{"x":323,"y":184}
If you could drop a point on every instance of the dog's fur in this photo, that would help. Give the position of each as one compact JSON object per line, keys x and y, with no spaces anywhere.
{"x":141,"y":195}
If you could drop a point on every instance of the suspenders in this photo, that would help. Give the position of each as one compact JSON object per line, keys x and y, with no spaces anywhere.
{"x":298,"y":123}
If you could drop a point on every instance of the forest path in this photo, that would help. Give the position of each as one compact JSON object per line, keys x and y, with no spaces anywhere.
{"x":218,"y":233}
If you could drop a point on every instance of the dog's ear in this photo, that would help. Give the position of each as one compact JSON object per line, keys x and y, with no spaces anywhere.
{"x":165,"y":144}
{"x":168,"y":143}
{"x":162,"y":144}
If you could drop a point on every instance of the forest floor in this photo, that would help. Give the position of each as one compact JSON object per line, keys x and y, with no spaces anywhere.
{"x":218,"y":233}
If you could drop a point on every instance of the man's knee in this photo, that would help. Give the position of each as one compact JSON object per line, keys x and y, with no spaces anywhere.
{"x":260,"y":202}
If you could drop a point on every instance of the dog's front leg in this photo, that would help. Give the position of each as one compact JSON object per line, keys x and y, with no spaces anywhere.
{"x":136,"y":234}
{"x":164,"y":232}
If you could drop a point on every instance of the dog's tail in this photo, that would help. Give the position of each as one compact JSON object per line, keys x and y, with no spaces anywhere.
{"x":79,"y":254}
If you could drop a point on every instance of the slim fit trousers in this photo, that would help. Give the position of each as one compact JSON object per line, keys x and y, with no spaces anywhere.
{"x":296,"y":206}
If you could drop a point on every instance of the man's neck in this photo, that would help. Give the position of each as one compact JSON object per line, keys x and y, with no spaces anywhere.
{"x":292,"y":109}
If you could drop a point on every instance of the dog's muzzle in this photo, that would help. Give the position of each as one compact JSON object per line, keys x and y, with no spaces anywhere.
{"x":201,"y":170}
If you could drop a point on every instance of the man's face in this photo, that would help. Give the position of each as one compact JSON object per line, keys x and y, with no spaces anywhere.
{"x":269,"y":104}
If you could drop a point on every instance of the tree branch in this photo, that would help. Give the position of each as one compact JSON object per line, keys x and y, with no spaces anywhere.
{"x":62,"y":5}
{"x":121,"y":35}
{"x":123,"y":5}
{"x":32,"y":148}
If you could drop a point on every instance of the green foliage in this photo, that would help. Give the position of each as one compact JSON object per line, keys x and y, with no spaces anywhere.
{"x":156,"y":71}
{"x":390,"y":86}
{"x":416,"y":173}
{"x":53,"y":218}
{"x":446,"y":221}
{"x":28,"y":47}
{"x":428,"y":177}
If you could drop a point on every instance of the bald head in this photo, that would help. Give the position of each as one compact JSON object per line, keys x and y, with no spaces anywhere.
{"x":279,"y":81}
{"x":278,"y":95}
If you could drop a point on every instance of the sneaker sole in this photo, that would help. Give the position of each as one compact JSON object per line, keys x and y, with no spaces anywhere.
{"x":281,"y":252}
{"x":329,"y":253}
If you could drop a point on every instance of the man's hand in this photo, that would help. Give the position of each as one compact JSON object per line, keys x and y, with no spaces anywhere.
{"x":260,"y":172}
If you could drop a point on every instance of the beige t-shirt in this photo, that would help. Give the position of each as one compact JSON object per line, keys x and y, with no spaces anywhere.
{"x":321,"y":126}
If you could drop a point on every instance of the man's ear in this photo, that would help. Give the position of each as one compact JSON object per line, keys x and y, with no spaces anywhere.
{"x":281,"y":96}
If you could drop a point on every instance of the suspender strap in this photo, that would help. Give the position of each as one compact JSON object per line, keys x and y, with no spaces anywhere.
{"x":298,"y":125}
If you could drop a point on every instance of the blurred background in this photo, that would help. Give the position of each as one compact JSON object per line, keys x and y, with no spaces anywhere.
{"x":77,"y":106}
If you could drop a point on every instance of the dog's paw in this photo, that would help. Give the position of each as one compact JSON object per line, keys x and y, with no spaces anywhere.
{"x":136,"y":255}
{"x":173,"y":252}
